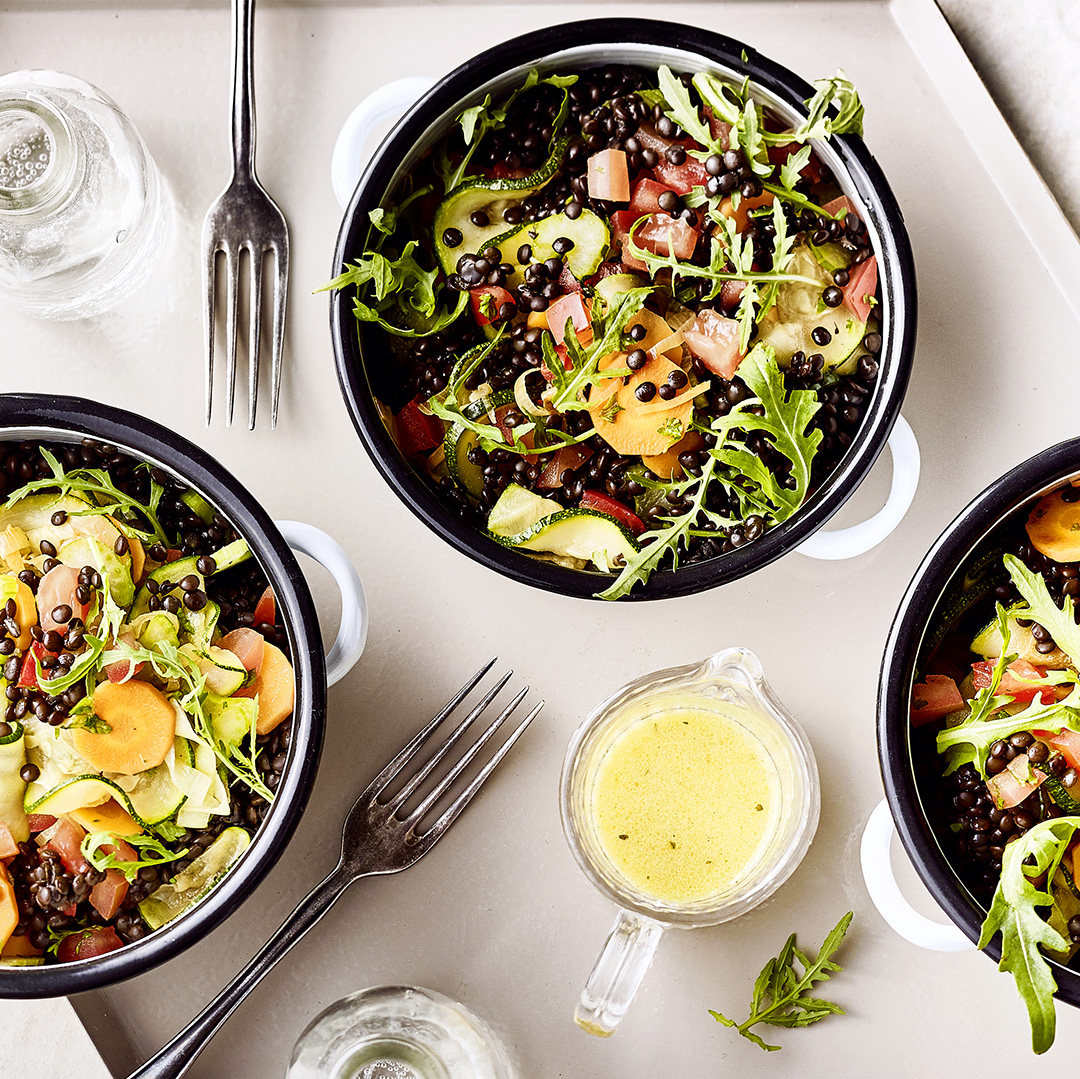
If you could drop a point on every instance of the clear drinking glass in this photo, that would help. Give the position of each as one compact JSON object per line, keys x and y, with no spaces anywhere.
{"x":730,"y":684}
{"x":398,"y":1032}
{"x":82,"y":208}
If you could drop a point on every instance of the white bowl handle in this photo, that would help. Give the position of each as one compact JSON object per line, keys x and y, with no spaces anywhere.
{"x":352,"y":632}
{"x":858,"y":539}
{"x":886,"y":895}
{"x":389,"y":100}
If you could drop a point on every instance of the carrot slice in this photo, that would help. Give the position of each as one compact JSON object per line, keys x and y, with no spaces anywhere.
{"x":25,"y":614}
{"x":9,"y":907}
{"x":142,"y":722}
{"x":275,"y":686}
{"x":1054,"y":527}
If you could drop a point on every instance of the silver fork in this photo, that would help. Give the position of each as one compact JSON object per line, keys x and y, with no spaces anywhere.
{"x":376,"y":840}
{"x":244,"y":218}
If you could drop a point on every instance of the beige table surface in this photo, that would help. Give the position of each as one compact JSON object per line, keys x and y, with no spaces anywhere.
{"x":498,"y":916}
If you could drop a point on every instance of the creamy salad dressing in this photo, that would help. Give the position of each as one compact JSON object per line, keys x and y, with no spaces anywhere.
{"x":685,"y":802}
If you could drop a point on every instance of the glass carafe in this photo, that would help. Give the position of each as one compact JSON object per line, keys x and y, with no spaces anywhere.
{"x":730,"y":685}
{"x":82,"y":209}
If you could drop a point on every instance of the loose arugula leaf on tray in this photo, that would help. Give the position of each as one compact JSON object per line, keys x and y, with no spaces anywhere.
{"x":782,"y":993}
{"x":1014,"y":913}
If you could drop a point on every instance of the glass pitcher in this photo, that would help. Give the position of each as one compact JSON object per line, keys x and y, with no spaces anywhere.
{"x":729,"y":685}
{"x":83,"y":214}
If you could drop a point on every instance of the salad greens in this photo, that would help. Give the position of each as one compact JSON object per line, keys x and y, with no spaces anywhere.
{"x":1014,"y":914}
{"x":782,"y":993}
{"x":150,"y":852}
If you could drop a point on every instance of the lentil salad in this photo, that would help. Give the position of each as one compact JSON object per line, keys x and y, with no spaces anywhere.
{"x":624,"y":318}
{"x":147,"y":696}
{"x":996,"y":742}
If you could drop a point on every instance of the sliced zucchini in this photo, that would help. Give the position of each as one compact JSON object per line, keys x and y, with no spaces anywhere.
{"x":34,"y":514}
{"x":831,"y":257}
{"x":161,"y":627}
{"x":22,"y":961}
{"x":517,"y":511}
{"x":224,"y":674}
{"x":230,"y":555}
{"x":12,"y":785}
{"x":232,"y":717}
{"x":191,"y":884}
{"x":198,"y":505}
{"x":200,"y":625}
{"x":490,"y":197}
{"x":988,"y":643}
{"x":799,"y":310}
{"x":88,"y":551}
{"x":156,"y":798}
{"x":467,"y":475}
{"x":478,"y":409}
{"x":77,"y":793}
{"x":588,"y":232}
{"x":578,"y":533}
{"x":615,"y":284}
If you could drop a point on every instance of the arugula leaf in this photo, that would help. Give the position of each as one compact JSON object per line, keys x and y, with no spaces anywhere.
{"x":671,"y":535}
{"x":1058,"y":621}
{"x":969,"y":742}
{"x":781,"y":993}
{"x":839,"y":91}
{"x":570,"y":384}
{"x":790,"y":169}
{"x":1014,"y":914}
{"x":787,"y":423}
{"x":725,"y":102}
{"x":682,"y":111}
{"x":150,"y":852}
{"x":386,"y":218}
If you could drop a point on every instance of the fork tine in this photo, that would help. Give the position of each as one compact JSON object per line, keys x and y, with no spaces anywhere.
{"x":422,"y":773}
{"x":255,"y":304}
{"x":466,"y":796}
{"x":281,"y":259}
{"x":232,"y":270}
{"x":209,"y":280}
{"x":443,"y":785}
{"x":378,"y":784}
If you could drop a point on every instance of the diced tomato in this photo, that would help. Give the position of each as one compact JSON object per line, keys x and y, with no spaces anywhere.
{"x":934,"y":698}
{"x":714,"y":340}
{"x":1015,"y":680}
{"x":719,"y":129}
{"x":602,"y":503}
{"x":839,"y":207}
{"x":417,"y":431}
{"x":570,"y":307}
{"x":57,"y":588}
{"x":1010,"y":787}
{"x":664,"y":235}
{"x":567,"y":281}
{"x":499,"y":296}
{"x":681,"y":179}
{"x":266,"y":609}
{"x":88,"y":943}
{"x":563,"y":353}
{"x":860,"y":289}
{"x":123,"y":669}
{"x":605,"y":269}
{"x":107,"y":895}
{"x":730,"y":294}
{"x":28,"y":672}
{"x":811,"y":171}
{"x":569,"y":457}
{"x":66,"y":841}
{"x":8,"y":847}
{"x":501,"y":171}
{"x":247,"y":645}
{"x":38,"y":822}
{"x":1067,"y":743}
{"x":622,"y":221}
{"x":645,"y":198}
{"x":609,"y":177}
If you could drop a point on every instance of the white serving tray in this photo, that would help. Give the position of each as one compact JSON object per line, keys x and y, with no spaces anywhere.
{"x":498,"y":915}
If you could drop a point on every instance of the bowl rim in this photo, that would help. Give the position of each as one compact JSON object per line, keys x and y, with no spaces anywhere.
{"x":1002,"y":499}
{"x":895,"y":259}
{"x":143,"y":437}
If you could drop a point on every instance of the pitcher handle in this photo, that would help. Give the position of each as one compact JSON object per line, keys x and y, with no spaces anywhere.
{"x":617,"y":973}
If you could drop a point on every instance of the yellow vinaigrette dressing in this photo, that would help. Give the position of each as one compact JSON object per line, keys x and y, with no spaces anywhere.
{"x":684,"y":803}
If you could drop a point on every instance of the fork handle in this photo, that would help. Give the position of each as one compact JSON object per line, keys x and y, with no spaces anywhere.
{"x":243,"y":126}
{"x":175,"y":1058}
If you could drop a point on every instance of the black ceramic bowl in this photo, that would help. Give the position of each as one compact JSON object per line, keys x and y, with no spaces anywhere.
{"x":644,"y":42}
{"x":71,"y":419}
{"x":1005,"y":504}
